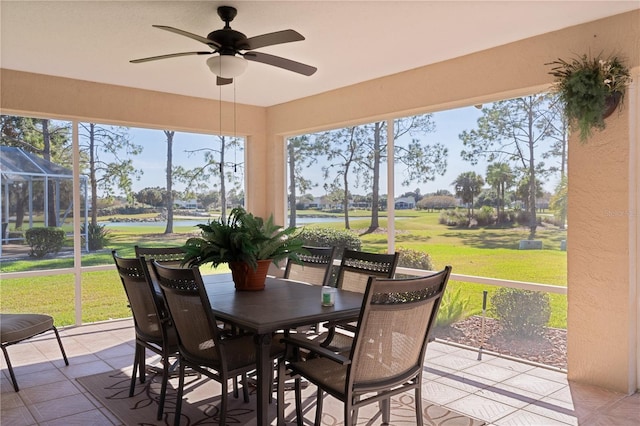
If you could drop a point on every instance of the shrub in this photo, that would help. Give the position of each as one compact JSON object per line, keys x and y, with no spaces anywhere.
{"x":485,"y":216}
{"x":455,"y":217}
{"x":44,"y":240}
{"x":326,"y":237}
{"x":98,"y":236}
{"x":507,"y":217}
{"x":522,"y":313}
{"x":453,"y":308}
{"x":415,"y":259}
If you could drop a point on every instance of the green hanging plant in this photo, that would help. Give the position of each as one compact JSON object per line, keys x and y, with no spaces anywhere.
{"x":590,"y":89}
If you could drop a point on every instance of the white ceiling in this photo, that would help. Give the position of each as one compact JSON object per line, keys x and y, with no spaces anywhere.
{"x":348,"y":41}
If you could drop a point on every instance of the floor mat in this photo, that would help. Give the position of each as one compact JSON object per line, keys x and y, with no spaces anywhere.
{"x":202,"y":400}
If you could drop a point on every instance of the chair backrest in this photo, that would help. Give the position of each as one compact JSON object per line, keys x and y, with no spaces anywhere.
{"x":190,"y":310}
{"x":167,"y":256}
{"x":357,"y":266}
{"x":146,"y":306}
{"x":394,"y":325}
{"x":173,"y":256}
{"x":315,"y":266}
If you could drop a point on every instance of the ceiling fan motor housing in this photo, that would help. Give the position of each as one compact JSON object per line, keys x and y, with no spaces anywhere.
{"x":230,"y":41}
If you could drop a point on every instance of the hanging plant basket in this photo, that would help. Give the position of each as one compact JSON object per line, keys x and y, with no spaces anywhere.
{"x":611,"y":102}
{"x":591,"y":89}
{"x":248,"y":279}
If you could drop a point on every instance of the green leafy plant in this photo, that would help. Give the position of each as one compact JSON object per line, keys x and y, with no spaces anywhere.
{"x":453,"y":308}
{"x":44,"y":240}
{"x":522,"y":313}
{"x":98,"y":236}
{"x":585,"y":86}
{"x":242,"y":237}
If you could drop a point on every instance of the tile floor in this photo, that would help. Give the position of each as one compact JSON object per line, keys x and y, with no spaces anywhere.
{"x":497,"y":390}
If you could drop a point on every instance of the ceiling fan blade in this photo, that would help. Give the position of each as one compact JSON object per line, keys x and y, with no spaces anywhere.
{"x":278,"y":37}
{"x":222,"y":81}
{"x":277,"y":61}
{"x":188,"y":34}
{"x":170,"y":55}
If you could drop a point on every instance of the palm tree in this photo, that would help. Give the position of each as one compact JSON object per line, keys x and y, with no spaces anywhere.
{"x":500,"y":177}
{"x":467,"y":185}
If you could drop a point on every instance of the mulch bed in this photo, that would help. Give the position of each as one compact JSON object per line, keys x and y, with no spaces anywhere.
{"x":548,"y":349}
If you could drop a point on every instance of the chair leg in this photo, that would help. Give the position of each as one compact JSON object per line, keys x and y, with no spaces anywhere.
{"x":223,"y":401}
{"x":299,"y":418}
{"x":280,"y":391}
{"x":64,"y":355}
{"x":349,"y":418}
{"x":142,"y":364}
{"x":13,"y":376}
{"x":273,"y":378}
{"x":354,"y":411}
{"x":136,"y":361}
{"x":235,"y":387}
{"x":245,"y":388}
{"x":176,"y":420}
{"x":319,"y":401}
{"x":419,"y":420}
{"x":163,"y":387}
{"x":385,"y":409}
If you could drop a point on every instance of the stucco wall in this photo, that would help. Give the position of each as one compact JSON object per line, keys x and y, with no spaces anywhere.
{"x":602,"y":239}
{"x":602,"y":174}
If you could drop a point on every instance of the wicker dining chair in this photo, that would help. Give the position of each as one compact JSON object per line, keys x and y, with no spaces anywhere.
{"x":168,"y":256}
{"x":200,"y":344}
{"x":387,"y":352}
{"x":355,"y":269}
{"x":357,"y":266}
{"x":315,"y":266}
{"x":152,"y":324}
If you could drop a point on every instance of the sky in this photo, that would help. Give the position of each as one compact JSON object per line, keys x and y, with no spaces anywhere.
{"x":449,"y":125}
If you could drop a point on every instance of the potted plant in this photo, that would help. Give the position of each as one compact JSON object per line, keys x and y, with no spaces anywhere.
{"x":590,"y":89}
{"x":247,"y":243}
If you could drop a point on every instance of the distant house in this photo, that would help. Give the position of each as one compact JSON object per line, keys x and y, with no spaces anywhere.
{"x":317,"y":203}
{"x":187,"y":204}
{"x":405,"y":203}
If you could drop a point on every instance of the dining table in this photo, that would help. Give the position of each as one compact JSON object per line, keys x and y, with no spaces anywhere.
{"x":282,"y":305}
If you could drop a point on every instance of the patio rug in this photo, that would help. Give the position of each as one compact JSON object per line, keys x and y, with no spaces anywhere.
{"x":201,"y":404}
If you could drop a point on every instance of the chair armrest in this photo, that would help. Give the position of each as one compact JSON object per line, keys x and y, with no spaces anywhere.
{"x":316,"y":348}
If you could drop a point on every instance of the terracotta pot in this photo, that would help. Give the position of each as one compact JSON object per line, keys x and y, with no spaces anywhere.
{"x":611,"y":103}
{"x":248,"y":279}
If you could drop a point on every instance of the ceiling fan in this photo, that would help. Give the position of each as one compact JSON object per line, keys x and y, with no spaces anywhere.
{"x":234,"y":49}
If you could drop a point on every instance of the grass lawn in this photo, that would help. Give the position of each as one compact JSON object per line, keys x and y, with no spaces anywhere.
{"x":488,"y":252}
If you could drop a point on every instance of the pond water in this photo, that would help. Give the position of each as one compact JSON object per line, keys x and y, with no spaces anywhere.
{"x":194,"y":222}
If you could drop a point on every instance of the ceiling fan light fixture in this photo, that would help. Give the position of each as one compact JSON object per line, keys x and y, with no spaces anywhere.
{"x":227,"y":66}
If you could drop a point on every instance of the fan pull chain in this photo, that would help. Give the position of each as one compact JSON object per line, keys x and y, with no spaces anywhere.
{"x":235,"y":140}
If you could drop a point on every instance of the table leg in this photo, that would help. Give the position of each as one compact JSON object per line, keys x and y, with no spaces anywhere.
{"x":264,"y":369}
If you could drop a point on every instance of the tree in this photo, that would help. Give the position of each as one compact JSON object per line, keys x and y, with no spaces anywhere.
{"x":559,"y":201}
{"x":345,"y":151}
{"x":48,"y":139}
{"x":360,"y":151}
{"x":501,"y":178}
{"x":215,"y":165}
{"x":560,"y":137}
{"x":209,"y":198}
{"x":302,"y":154}
{"x":108,"y":152}
{"x":152,"y":196}
{"x":169,"y":176}
{"x":437,"y":202}
{"x":467,"y":185}
{"x":512,"y":131}
{"x":422,"y":161}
